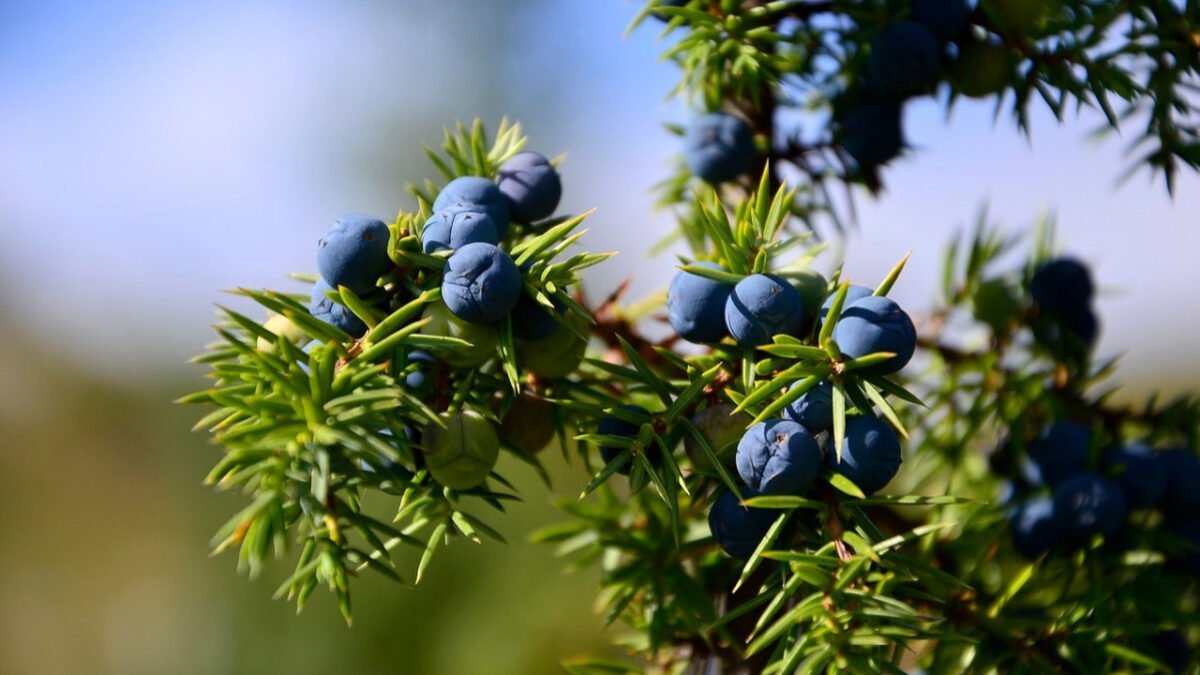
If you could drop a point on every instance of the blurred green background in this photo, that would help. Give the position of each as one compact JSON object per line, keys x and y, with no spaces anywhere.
{"x":104,"y":565}
{"x":155,"y":153}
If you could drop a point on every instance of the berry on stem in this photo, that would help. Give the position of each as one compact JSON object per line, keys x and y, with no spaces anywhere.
{"x":531,"y":185}
{"x":982,"y":69}
{"x":1033,"y":527}
{"x":719,"y":147}
{"x":1183,"y":478}
{"x":853,"y":294}
{"x":334,"y":313}
{"x":531,"y":320}
{"x":813,"y":288}
{"x":814,"y":408}
{"x":480,"y":193}
{"x":1062,"y":287}
{"x":1061,"y":451}
{"x":696,"y":305}
{"x":1088,"y":504}
{"x":738,"y":529}
{"x":778,"y":457}
{"x":876,"y":324}
{"x":871,"y":133}
{"x":870,"y":454}
{"x":946,"y":19}
{"x":903,"y":60}
{"x":353,"y":253}
{"x":760,"y":307}
{"x":481,"y":283}
{"x":417,"y":380}
{"x":456,"y":226}
{"x":1020,"y":16}
{"x":282,"y":327}
{"x":1137,"y":469}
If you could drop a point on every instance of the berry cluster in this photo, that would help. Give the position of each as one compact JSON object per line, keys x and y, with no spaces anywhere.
{"x":782,"y":456}
{"x":907,"y":57}
{"x":719,"y":147}
{"x":785,"y":458}
{"x":1062,"y":293}
{"x":760,"y":306}
{"x":352,"y":254}
{"x":474,"y":221}
{"x":1073,"y":491}
{"x":1070,"y":484}
{"x":453,"y":333}
{"x":428,"y":345}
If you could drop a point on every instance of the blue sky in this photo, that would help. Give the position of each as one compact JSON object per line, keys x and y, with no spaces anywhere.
{"x":154,"y":153}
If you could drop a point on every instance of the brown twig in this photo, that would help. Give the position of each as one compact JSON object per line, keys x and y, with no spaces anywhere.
{"x":611,"y":328}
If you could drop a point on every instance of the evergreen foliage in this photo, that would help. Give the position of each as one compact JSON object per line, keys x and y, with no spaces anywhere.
{"x":980,"y":508}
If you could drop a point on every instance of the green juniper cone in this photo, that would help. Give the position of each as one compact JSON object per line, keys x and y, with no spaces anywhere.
{"x":557,"y":354}
{"x":982,"y":69}
{"x":482,"y":338}
{"x":281,"y":327}
{"x":887,"y":515}
{"x":460,"y":449}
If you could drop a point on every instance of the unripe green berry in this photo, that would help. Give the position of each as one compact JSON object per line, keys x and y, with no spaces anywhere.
{"x":483,"y":337}
{"x":462,"y":454}
{"x":556,"y":355}
{"x":995,"y":303}
{"x":284,"y":328}
{"x":982,"y":69}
